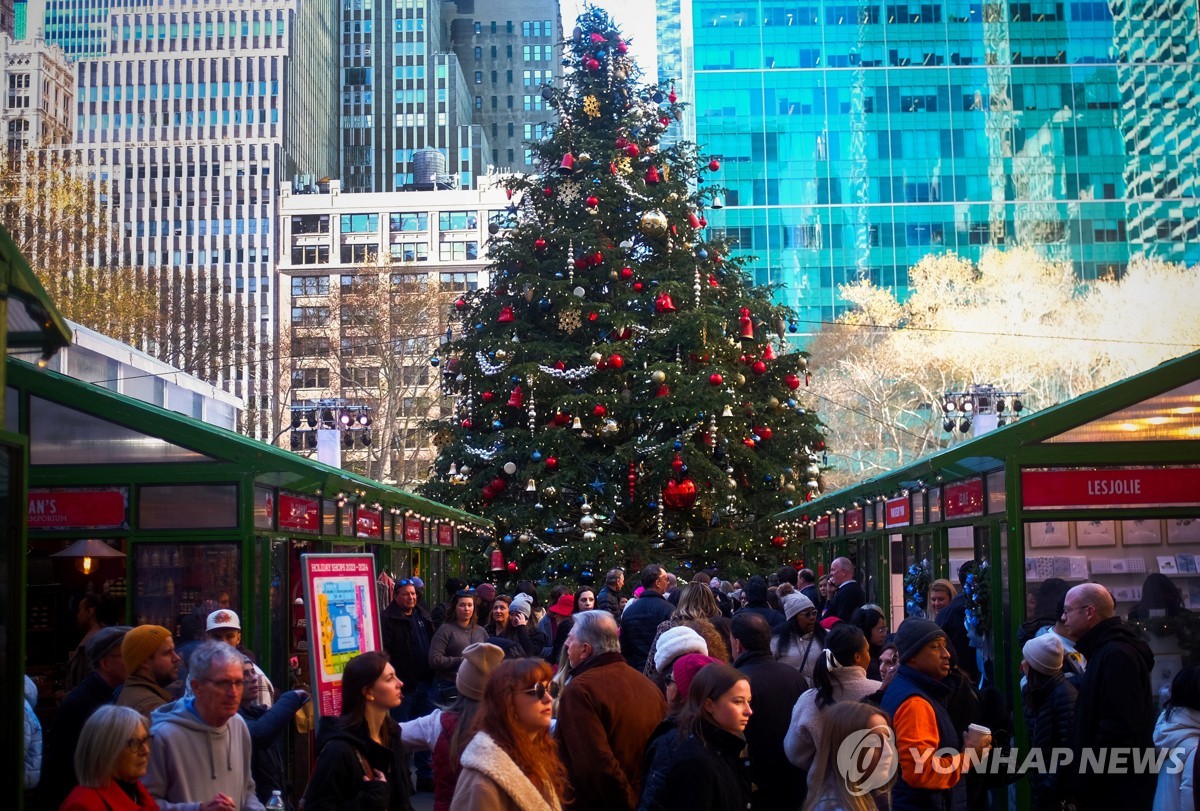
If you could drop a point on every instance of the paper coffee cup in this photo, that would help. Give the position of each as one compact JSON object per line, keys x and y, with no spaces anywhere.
{"x":979,"y":729}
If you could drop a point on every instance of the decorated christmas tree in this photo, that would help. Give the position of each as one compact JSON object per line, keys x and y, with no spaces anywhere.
{"x":622,"y":393}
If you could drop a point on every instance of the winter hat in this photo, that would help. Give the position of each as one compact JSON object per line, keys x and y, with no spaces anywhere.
{"x":1044,"y":654}
{"x":486,"y":592}
{"x":675,"y":642}
{"x":830,"y":621}
{"x":915,"y":633}
{"x":522,"y":604}
{"x":794,"y":603}
{"x":478,"y":660}
{"x":140,"y":644}
{"x":104,"y":640}
{"x":565,"y":606}
{"x":223,"y":618}
{"x":686,"y":667}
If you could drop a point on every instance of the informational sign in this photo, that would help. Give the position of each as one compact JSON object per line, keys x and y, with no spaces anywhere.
{"x":445,"y":535}
{"x":897,"y":512}
{"x":368,"y":523}
{"x":822,"y":528}
{"x":414,"y":530}
{"x":299,"y":513}
{"x":964,"y":498}
{"x":78,"y":508}
{"x":854,"y":521}
{"x":342,"y":620}
{"x":1068,"y":488}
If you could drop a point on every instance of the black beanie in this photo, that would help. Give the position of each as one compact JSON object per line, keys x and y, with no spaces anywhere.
{"x":913,"y":634}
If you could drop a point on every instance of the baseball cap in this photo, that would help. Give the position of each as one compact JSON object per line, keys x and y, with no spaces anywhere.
{"x":223,"y":618}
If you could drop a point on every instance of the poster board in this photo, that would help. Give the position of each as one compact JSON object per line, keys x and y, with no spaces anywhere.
{"x":343,"y":620}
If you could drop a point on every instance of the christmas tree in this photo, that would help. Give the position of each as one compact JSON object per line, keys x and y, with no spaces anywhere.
{"x":622,"y":393}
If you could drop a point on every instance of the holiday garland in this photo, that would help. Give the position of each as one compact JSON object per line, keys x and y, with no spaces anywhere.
{"x":978,"y":590}
{"x":916,"y":587}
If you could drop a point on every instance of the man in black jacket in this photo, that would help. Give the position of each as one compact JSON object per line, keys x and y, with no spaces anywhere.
{"x":849,"y":596}
{"x":407,"y":631}
{"x":609,"y":598}
{"x":806,"y":582}
{"x":1115,"y":705}
{"x":774,"y":687}
{"x":639,"y":623}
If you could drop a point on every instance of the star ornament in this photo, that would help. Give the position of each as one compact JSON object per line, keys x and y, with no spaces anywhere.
{"x":598,"y":485}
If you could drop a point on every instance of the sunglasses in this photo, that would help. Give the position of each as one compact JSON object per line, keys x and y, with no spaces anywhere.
{"x":542,"y":689}
{"x":465,"y":593}
{"x":406,"y":582}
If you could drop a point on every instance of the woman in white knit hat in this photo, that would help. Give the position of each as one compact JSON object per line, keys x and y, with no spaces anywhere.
{"x":801,"y":639}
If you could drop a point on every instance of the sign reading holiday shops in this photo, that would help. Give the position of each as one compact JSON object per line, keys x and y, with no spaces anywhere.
{"x":339,"y":599}
{"x":1072,"y":488}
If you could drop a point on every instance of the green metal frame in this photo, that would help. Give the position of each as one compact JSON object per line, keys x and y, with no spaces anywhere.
{"x":1011,"y":448}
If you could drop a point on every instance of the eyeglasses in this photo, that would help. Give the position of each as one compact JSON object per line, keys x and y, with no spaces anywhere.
{"x":135,"y":745}
{"x":541,"y":690}
{"x":225,"y":685}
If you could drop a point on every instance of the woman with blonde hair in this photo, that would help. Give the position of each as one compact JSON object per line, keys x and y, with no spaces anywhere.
{"x":699,"y":611}
{"x":829,"y":787}
{"x":512,"y":763}
{"x":941,"y":592}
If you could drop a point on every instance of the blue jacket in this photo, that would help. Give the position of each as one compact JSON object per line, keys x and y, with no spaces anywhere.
{"x":906,"y":684}
{"x":639,"y":626}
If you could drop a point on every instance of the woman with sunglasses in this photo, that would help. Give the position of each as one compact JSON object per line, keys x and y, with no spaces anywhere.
{"x":512,"y":763}
{"x":110,"y":761}
{"x":450,"y":640}
{"x":707,"y":771}
{"x":361,"y":763}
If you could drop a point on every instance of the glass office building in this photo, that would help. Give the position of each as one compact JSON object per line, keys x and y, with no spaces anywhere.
{"x":858,"y":138}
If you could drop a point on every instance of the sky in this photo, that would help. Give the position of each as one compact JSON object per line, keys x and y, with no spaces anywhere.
{"x":636,"y":19}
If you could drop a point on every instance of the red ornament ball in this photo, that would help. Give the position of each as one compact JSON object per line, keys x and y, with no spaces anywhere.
{"x":460,"y":304}
{"x":792,"y":382}
{"x":680,"y":495}
{"x":599,"y":410}
{"x":626,"y":273}
{"x":539,"y":244}
{"x":716,"y":379}
{"x":512,"y":566}
{"x":632,"y":150}
{"x":547,"y":191}
{"x":592,"y":316}
{"x":748,"y":442}
{"x":551,"y":463}
{"x":779,"y":542}
{"x":593,"y":201}
{"x":466,"y":424}
{"x":498,"y":484}
{"x":638,"y":287}
{"x":714,"y":165}
{"x":765,"y":432}
{"x":488,"y":396}
{"x":616,"y":361}
{"x":758,"y":367}
{"x":559,"y":365}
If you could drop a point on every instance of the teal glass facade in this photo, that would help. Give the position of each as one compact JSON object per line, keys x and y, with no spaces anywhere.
{"x":858,"y":138}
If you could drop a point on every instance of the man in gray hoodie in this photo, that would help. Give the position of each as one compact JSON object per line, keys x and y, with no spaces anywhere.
{"x":200,"y":758}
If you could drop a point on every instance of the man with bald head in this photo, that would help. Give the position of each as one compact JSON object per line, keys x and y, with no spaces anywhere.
{"x":849,"y":596}
{"x":1115,"y":707}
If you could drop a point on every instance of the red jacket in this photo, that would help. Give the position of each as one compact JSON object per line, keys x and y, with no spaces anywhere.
{"x":109,"y":798}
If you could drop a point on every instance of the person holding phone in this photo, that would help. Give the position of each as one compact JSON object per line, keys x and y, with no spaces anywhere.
{"x":361,"y":763}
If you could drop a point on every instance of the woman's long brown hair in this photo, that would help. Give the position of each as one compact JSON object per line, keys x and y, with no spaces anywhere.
{"x":537,"y":758}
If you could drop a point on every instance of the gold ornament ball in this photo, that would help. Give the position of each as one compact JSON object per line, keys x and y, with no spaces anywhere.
{"x":501,"y":354}
{"x":654,"y":223}
{"x":658,"y":376}
{"x":596,"y":357}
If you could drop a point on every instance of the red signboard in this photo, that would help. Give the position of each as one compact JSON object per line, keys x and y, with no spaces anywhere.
{"x":822,"y":528}
{"x":963,"y":498}
{"x":78,"y":508}
{"x":414,"y":530}
{"x":299,"y":513}
{"x":854,"y":521}
{"x":897,"y":513}
{"x":1064,"y":488}
{"x":445,"y":535}
{"x":368,"y":524}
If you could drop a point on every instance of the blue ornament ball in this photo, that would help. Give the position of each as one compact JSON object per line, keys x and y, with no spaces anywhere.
{"x":479,"y":327}
{"x":703,"y":254}
{"x":434,"y":361}
{"x":550,"y":530}
{"x":544,"y":304}
{"x":792,"y":327}
{"x":536,"y":456}
{"x":508,"y":538}
{"x":586,"y":573}
{"x":497,"y":424}
{"x":678,"y":445}
{"x":670,"y":534}
{"x":653,"y":505}
{"x":515,"y":379}
{"x":566,"y":567}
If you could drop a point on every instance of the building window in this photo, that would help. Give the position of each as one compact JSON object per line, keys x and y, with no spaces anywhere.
{"x":310,"y":316}
{"x":368,"y":253}
{"x":310,"y":378}
{"x":310,"y":285}
{"x":360,"y":223}
{"x":478,"y":53}
{"x":479,"y":77}
{"x":457,"y":220}
{"x":310,"y":224}
{"x":310,"y":255}
{"x":478,"y":27}
{"x":310,"y":347}
{"x":409,"y":221}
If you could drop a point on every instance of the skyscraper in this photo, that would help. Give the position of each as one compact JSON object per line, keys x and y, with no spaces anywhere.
{"x":857,"y":138}
{"x":509,"y":52}
{"x":402,"y":90}
{"x":191,"y":119}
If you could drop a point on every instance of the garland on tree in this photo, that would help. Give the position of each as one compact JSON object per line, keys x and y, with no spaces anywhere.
{"x":978,"y":591}
{"x":916,"y":590}
{"x":621,"y":392}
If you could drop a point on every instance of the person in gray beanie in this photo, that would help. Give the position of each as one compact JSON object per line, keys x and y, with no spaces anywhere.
{"x":915,"y":699}
{"x":1048,"y":701}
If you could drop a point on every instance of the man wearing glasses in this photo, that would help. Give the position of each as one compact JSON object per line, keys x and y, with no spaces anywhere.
{"x":1115,"y":706}
{"x":639,"y":623}
{"x":201,"y":753}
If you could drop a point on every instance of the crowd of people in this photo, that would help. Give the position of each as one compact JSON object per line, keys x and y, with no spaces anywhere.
{"x":697,"y":696}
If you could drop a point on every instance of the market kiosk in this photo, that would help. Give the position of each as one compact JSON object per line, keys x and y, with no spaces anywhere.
{"x":194,"y":516}
{"x":1105,"y":487}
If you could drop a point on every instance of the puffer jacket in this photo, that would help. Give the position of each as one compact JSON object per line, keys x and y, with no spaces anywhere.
{"x":660,"y":758}
{"x":1050,"y":717}
{"x":1177,"y":728}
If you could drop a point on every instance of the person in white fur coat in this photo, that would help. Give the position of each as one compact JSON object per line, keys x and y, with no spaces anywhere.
{"x":1179,"y":728}
{"x":512,"y":763}
{"x":840,"y":675}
